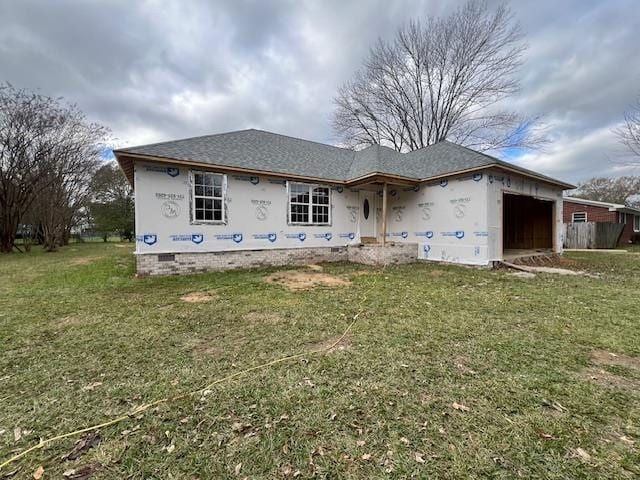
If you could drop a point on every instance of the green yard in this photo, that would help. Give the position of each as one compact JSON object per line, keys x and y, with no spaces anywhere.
{"x":83,"y":341}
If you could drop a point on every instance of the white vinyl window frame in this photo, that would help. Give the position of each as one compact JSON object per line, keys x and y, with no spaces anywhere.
{"x":309,"y":204}
{"x":579,"y":217}
{"x":196,"y":194}
{"x":636,"y":223}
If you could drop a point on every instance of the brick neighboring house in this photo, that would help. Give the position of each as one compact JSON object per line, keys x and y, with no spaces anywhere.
{"x":578,"y":210}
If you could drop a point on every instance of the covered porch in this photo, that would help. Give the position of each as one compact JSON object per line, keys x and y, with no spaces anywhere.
{"x":373,"y":217}
{"x":377,"y":247}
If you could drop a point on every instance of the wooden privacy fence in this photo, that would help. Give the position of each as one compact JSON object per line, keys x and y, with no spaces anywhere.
{"x":592,"y":235}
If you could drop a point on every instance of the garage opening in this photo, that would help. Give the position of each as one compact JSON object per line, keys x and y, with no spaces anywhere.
{"x":527,"y":225}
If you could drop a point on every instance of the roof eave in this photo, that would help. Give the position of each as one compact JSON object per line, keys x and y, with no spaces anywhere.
{"x":612,"y":207}
{"x":126,"y":165}
{"x":528,"y":173}
{"x":381,"y":177}
{"x":126,"y":159}
{"x":628,"y":210}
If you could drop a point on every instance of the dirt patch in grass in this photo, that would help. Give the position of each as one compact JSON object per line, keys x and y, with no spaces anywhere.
{"x":263,"y":318}
{"x":299,"y":280}
{"x":207,"y":348}
{"x":602,"y":357}
{"x":560,"y":261}
{"x":556,"y":261}
{"x":84,"y":260}
{"x":327,"y":346}
{"x":198,"y":297}
{"x":608,"y":379}
{"x":437,"y":273}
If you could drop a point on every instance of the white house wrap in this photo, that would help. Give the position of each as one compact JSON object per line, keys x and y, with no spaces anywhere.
{"x":256,"y":215}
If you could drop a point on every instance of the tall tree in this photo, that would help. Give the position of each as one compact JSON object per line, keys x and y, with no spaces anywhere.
{"x":112,"y":205}
{"x":622,"y":190}
{"x":629,"y":132}
{"x":438,"y":79}
{"x":46,"y":148}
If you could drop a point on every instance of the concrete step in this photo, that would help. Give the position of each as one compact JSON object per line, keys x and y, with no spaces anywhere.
{"x":368,"y":240}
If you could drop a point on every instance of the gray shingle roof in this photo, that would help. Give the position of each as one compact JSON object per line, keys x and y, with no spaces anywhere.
{"x":274,"y":153}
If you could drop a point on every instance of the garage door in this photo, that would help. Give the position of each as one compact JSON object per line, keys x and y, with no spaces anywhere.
{"x":527,"y":223}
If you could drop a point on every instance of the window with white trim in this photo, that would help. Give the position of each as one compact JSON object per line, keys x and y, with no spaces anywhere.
{"x":309,"y":204}
{"x":579,"y":217}
{"x":622,"y":217}
{"x":207,"y":197}
{"x":636,"y":223}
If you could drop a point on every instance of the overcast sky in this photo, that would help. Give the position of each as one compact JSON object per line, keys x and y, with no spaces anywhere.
{"x":160,"y":70}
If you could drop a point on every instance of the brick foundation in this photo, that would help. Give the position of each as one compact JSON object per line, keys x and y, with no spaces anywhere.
{"x":183,"y":263}
{"x":152,"y":264}
{"x":375,"y":254}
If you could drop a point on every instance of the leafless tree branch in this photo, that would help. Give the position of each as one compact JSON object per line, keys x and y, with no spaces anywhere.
{"x":623,"y":190}
{"x":629,"y":133}
{"x":47,"y":149}
{"x":439,"y":79}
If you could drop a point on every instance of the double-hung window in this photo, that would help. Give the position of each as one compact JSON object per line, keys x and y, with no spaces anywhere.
{"x":309,"y":204}
{"x":207,"y":197}
{"x":622,"y":217}
{"x":636,"y":223}
{"x":579,"y":217}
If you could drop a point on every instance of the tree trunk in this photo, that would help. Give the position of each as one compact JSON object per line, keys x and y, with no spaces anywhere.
{"x":66,"y":236}
{"x":8,"y":231}
{"x":6,"y":242}
{"x":27,"y":242}
{"x":51,"y":238}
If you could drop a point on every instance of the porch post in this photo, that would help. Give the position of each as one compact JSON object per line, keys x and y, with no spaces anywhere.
{"x":384,"y":213}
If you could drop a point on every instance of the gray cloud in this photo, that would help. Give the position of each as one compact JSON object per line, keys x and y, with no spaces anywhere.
{"x":160,"y":70}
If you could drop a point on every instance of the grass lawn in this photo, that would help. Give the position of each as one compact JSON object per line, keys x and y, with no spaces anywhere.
{"x":82,"y":341}
{"x":635,"y":248}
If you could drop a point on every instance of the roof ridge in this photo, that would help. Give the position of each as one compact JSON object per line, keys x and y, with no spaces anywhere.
{"x":410,"y":152}
{"x":299,"y":139}
{"x":491,"y":157}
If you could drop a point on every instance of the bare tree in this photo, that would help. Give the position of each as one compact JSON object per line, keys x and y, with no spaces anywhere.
{"x":45,"y":149}
{"x":622,"y":190}
{"x":629,"y":133}
{"x":60,"y":203}
{"x":439,"y":79}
